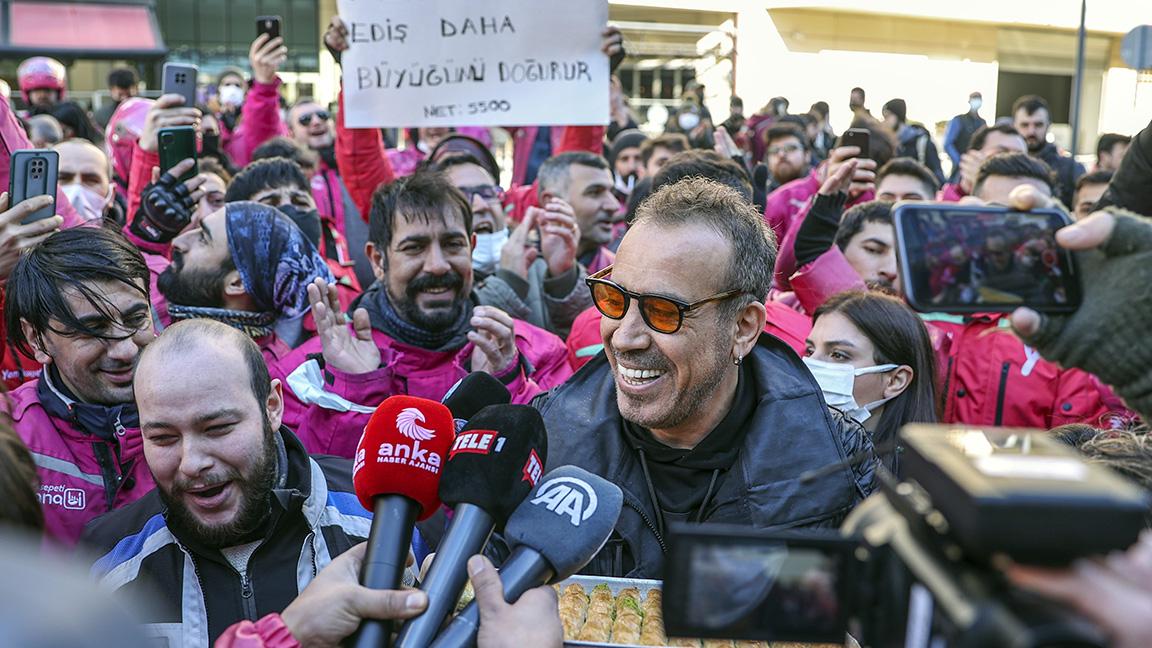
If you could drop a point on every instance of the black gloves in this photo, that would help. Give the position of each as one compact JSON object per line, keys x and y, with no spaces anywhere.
{"x":165,"y":210}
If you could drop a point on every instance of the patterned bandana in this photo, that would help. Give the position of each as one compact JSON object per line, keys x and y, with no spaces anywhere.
{"x":254,"y":325}
{"x":275,"y":260}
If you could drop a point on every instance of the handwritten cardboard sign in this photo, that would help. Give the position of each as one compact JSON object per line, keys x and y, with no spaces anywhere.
{"x":468,"y":63}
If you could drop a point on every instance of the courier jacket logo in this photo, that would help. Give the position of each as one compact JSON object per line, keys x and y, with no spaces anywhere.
{"x":567,"y":496}
{"x":412,"y":455}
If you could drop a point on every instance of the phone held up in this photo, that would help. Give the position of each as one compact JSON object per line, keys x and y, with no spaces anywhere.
{"x":33,"y":173}
{"x":268,"y":25}
{"x":178,"y":143}
{"x":860,"y":138}
{"x":181,"y":80}
{"x":984,"y":259}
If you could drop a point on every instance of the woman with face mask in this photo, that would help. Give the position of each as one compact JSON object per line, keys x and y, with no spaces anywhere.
{"x":873,"y":359}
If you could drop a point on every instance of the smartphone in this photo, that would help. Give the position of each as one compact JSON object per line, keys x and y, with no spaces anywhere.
{"x":984,"y":259}
{"x":181,"y":79}
{"x":860,"y":137}
{"x":268,"y":25}
{"x":736,"y":582}
{"x":33,"y":173}
{"x":178,"y":143}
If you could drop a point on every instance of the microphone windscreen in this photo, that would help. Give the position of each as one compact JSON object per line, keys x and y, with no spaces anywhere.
{"x":402,"y":452}
{"x":473,"y":393}
{"x":567,"y":518}
{"x":495,"y":460}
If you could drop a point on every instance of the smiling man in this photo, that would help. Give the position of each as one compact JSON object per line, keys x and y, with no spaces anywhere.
{"x":78,"y":303}
{"x":417,"y":330}
{"x":691,"y":410}
{"x":242,"y":519}
{"x":584,"y":181}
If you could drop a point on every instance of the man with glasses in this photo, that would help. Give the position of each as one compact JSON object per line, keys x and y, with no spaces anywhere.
{"x":78,"y":303}
{"x":314,"y":129}
{"x":788,"y":155}
{"x":530,"y":272}
{"x":691,"y":410}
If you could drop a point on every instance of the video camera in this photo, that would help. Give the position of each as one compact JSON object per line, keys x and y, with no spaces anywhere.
{"x":915,"y":565}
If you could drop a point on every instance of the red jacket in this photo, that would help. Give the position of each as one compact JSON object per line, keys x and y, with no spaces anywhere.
{"x":328,"y":192}
{"x":328,"y":429}
{"x":584,"y":342}
{"x":987,"y":376}
{"x":73,"y":486}
{"x":259,"y":122}
{"x":362,"y":161}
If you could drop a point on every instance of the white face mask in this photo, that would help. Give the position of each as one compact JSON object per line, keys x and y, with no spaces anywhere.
{"x":89,"y":204}
{"x":231,"y":95}
{"x":836,"y":380}
{"x":975,"y":103}
{"x":688,"y":121}
{"x":486,"y":255}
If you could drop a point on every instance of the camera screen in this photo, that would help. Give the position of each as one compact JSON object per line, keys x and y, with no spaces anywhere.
{"x":748,"y":589}
{"x":976,"y":260}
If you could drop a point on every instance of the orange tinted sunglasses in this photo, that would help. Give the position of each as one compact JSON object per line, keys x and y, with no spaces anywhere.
{"x":661,"y":314}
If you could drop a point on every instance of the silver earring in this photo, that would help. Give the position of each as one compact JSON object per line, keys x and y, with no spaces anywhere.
{"x":736,"y":361}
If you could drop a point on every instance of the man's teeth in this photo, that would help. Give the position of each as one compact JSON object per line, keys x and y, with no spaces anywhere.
{"x":639,"y":374}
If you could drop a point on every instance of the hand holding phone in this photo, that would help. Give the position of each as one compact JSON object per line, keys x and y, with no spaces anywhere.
{"x":861,"y":138}
{"x":176,"y":144}
{"x":984,"y":258}
{"x":180,"y":79}
{"x":268,"y":25}
{"x":33,"y":173}
{"x":267,"y":52}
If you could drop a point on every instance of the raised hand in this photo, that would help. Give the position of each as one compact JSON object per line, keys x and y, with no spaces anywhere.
{"x":336,"y":38}
{"x":354,"y":351}
{"x":495,"y":341}
{"x":16,"y":238}
{"x":167,"y":205}
{"x":559,"y":235}
{"x":168,"y":111}
{"x":863,"y":179}
{"x":266,"y":56}
{"x":518,"y":254}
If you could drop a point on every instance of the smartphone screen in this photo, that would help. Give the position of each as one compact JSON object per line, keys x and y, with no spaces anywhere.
{"x":736,"y":583}
{"x":959,"y":258}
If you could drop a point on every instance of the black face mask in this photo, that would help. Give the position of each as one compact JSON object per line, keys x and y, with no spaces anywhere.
{"x":328,"y":154}
{"x":307,"y":220}
{"x":211,"y":143}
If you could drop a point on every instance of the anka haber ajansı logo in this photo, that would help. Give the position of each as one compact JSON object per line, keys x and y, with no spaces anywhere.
{"x":567,"y":496}
{"x":408,"y":424}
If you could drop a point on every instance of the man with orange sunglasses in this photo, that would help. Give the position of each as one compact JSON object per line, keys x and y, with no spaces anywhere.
{"x":691,"y":410}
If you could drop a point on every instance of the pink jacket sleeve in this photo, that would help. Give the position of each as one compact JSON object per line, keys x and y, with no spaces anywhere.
{"x":259,"y":121}
{"x":138,"y":179}
{"x":361,"y":160}
{"x":829,"y":274}
{"x":14,"y":138}
{"x":268,"y":632}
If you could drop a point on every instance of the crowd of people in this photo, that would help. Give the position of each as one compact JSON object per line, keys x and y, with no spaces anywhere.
{"x":702,"y":317}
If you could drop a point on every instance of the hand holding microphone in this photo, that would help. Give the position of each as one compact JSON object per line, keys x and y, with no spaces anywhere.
{"x":396,"y":475}
{"x":555,"y":531}
{"x":494,"y":461}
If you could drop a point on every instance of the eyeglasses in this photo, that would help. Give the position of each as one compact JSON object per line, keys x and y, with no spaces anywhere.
{"x":306,"y":118}
{"x":785,"y":149}
{"x":486,"y":192}
{"x":661,"y":314}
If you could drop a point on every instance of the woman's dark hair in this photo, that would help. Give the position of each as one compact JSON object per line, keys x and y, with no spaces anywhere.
{"x":899,"y":337}
{"x":70,"y":259}
{"x":18,"y":484}
{"x":70,"y":114}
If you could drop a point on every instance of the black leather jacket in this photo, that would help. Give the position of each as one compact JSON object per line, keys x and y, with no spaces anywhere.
{"x":792,"y":432}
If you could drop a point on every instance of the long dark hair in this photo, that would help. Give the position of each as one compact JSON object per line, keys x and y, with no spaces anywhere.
{"x":898,"y":337}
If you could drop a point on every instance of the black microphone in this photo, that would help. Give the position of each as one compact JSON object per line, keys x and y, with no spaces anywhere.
{"x":494,"y":462}
{"x":397,"y":476}
{"x":558,"y":529}
{"x":473,"y":393}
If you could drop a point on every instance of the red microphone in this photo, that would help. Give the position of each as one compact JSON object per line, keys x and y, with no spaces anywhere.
{"x":396,"y":475}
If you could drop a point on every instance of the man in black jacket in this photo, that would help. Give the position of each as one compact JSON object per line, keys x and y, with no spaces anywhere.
{"x":692,"y":411}
{"x":242,"y":518}
{"x":1030,"y":116}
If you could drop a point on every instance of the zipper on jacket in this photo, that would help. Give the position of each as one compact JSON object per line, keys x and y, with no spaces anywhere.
{"x":648,"y":521}
{"x":248,"y":596}
{"x":1002,"y":392}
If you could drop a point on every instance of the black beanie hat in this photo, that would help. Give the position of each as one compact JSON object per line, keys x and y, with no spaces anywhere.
{"x":630,"y":138}
{"x":899,"y":108}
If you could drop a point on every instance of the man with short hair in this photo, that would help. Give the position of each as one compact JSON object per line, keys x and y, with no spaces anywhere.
{"x":654,"y":153}
{"x":1002,"y":173}
{"x":984,"y":143}
{"x":1090,"y":189}
{"x":905,"y":179}
{"x":417,"y":330}
{"x":961,"y":128}
{"x":915,"y":140}
{"x":584,"y":181}
{"x":691,"y":410}
{"x":314,"y":129}
{"x":78,"y":304}
{"x":1110,"y":150}
{"x":242,"y":519}
{"x":787,"y":154}
{"x":123,"y":83}
{"x":1030,"y":116}
{"x":84,"y":176}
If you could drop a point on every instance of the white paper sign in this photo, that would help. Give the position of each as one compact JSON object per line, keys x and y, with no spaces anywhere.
{"x":468,"y":63}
